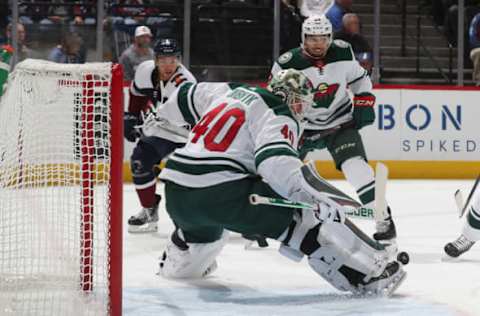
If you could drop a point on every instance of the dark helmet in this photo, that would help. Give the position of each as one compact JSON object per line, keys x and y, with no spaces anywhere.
{"x":166,"y":46}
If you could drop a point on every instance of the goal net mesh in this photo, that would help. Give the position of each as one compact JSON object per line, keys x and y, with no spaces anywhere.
{"x":55,"y":155}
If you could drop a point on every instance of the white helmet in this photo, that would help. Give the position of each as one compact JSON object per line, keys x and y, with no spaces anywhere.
{"x":294,"y":88}
{"x":317,"y":25}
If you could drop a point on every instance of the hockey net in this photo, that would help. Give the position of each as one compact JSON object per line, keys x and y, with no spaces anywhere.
{"x":60,"y":190}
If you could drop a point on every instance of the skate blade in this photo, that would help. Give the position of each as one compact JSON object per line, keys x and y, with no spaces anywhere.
{"x":142,"y":229}
{"x":398,"y":280}
{"x":385,"y":291}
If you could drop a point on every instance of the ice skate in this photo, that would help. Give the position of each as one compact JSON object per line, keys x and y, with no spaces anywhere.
{"x":459,"y":246}
{"x":146,"y":220}
{"x":386,"y":283}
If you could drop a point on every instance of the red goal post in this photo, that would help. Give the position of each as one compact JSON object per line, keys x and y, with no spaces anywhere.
{"x":61,"y":156}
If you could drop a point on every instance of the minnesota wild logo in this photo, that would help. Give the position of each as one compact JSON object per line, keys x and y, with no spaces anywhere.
{"x":324,"y":95}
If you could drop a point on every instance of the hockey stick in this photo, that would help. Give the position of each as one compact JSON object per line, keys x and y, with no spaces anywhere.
{"x":255,"y":199}
{"x":462,"y":207}
{"x":381,"y":177}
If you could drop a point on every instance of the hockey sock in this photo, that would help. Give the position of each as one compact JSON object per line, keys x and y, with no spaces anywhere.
{"x":361,"y":176}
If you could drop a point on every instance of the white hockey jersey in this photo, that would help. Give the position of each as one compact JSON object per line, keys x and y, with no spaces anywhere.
{"x":241,"y":130}
{"x":173,"y":119}
{"x":146,"y":82}
{"x":331,"y":78}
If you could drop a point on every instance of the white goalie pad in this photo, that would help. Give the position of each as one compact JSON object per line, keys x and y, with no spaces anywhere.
{"x":339,"y":252}
{"x":196,"y":261}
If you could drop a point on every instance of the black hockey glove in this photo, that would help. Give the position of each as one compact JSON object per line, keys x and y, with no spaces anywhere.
{"x":129,"y":122}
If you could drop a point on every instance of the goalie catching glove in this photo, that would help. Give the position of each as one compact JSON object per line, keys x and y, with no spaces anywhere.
{"x":363,"y":112}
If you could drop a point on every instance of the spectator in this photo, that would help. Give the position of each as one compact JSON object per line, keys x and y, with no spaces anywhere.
{"x":24,"y":51}
{"x":474,"y":39}
{"x":336,"y":12}
{"x":69,"y":51}
{"x":472,"y":7}
{"x":137,"y":52}
{"x":351,"y":33}
{"x":313,"y":7}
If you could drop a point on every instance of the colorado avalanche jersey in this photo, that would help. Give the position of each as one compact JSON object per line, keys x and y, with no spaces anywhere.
{"x":239,"y":131}
{"x":147,"y":83}
{"x":331,"y":78}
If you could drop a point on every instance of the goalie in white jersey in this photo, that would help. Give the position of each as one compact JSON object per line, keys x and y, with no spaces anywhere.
{"x":334,"y":120}
{"x":246,"y":139}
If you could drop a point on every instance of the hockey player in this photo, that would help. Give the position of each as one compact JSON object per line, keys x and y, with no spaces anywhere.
{"x":246,"y":139}
{"x":334,"y":120}
{"x":470,"y":232}
{"x":155,"y":80}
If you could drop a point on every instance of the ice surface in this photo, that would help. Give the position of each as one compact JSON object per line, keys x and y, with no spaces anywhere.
{"x":262,"y":282}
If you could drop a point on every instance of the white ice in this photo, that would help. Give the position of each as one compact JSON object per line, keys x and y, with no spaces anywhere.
{"x":263,"y":282}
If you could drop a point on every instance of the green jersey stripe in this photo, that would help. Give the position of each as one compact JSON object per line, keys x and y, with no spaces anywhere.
{"x":199,"y":169}
{"x":212,"y":159}
{"x":274,"y":144}
{"x":340,"y":111}
{"x":183,"y":103}
{"x":362,"y":76}
{"x":264,"y":155}
{"x":192,"y":105}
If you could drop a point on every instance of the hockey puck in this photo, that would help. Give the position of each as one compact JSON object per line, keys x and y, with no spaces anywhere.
{"x":403,"y":258}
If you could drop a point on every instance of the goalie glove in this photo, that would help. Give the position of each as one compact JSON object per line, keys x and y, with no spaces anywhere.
{"x":130,"y":121}
{"x":363,"y":112}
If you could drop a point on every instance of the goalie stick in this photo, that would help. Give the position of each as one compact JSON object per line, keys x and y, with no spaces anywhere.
{"x":461,"y":205}
{"x":361,"y":212}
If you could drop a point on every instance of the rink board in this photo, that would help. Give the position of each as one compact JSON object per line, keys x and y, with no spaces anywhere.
{"x":420,"y":132}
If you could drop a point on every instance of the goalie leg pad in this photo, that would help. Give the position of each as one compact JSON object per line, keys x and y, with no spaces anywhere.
{"x":339,"y":252}
{"x":182,"y":260}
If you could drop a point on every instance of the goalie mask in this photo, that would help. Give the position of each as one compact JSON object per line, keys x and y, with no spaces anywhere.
{"x":319,"y":26}
{"x":294,"y":88}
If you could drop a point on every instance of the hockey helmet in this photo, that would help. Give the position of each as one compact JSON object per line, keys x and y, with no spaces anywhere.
{"x":294,"y":88}
{"x":317,"y":25}
{"x":166,"y":47}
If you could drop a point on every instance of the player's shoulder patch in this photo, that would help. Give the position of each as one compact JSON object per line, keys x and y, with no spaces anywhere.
{"x":285,"y":58}
{"x":294,"y":58}
{"x":341,"y":43}
{"x":339,"y":51}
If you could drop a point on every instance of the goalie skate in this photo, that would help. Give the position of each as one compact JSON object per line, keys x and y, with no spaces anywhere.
{"x":385,"y":284}
{"x":146,"y":221}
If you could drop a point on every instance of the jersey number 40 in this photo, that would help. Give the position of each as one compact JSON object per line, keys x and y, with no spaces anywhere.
{"x":209,"y":134}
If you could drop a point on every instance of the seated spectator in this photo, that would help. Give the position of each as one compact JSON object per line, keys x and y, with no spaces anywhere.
{"x":24,"y":51}
{"x":474,"y":40}
{"x":69,"y":51}
{"x":351,"y":33}
{"x":336,"y":12}
{"x":137,"y":52}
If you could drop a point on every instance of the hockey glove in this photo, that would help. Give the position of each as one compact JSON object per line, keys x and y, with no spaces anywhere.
{"x":129,"y":122}
{"x":363,"y":112}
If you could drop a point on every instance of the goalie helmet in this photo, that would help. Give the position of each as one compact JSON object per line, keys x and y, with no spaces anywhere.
{"x":294,"y":88}
{"x":166,"y":47}
{"x":317,"y":25}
